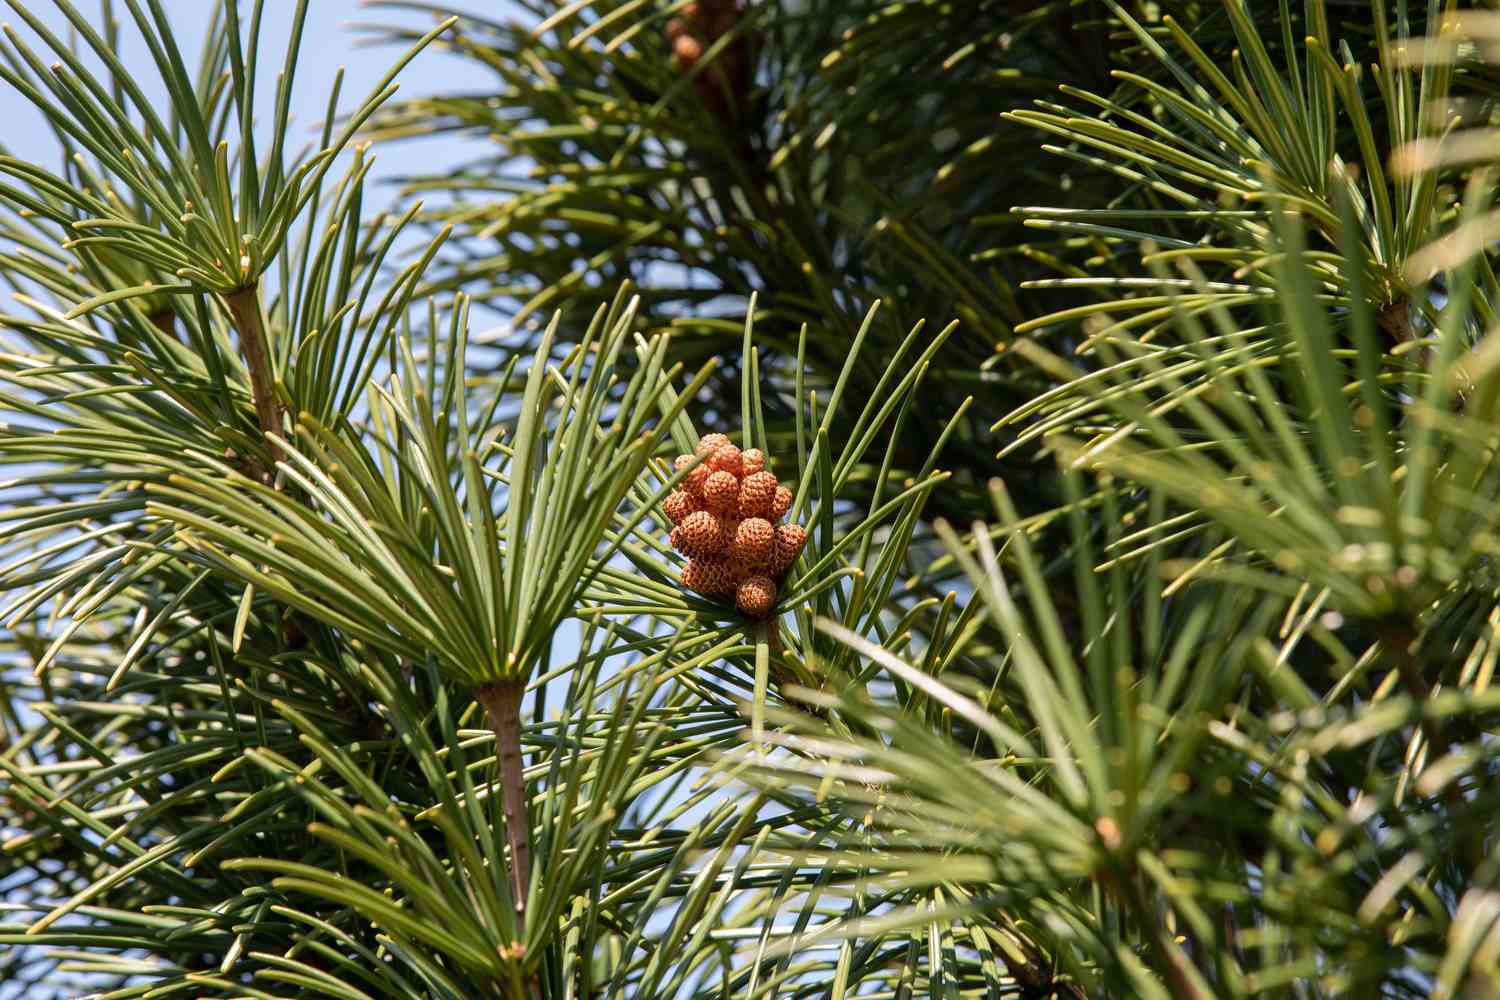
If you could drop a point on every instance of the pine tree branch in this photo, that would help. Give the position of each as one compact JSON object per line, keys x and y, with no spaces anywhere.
{"x":1395,"y":319}
{"x":244,"y":306}
{"x":1174,"y":964}
{"x":502,"y":703}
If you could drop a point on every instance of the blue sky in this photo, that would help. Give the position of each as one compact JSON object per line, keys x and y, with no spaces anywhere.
{"x":332,"y":38}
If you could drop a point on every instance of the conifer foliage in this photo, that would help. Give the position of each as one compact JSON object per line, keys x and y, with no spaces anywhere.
{"x":971,"y":499}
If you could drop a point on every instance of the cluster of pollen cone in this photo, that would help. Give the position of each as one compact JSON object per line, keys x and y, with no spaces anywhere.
{"x":726,"y":516}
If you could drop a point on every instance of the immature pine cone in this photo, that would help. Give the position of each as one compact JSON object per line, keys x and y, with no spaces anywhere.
{"x":757,"y":494}
{"x":721,"y":493}
{"x":781,"y":503}
{"x":726,"y":458}
{"x":710,"y":443}
{"x":679,"y":504}
{"x":753,"y":542}
{"x":789,"y":541}
{"x":708,"y":576}
{"x":694,"y":480}
{"x":755,"y":595}
{"x":726,"y":516}
{"x":687,"y":50}
{"x":700,"y":535}
{"x":698,"y":26}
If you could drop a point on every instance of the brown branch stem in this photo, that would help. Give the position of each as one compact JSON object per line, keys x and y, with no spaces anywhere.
{"x":502,"y":703}
{"x":1175,"y":966}
{"x":1395,"y":319}
{"x":165,"y":320}
{"x":244,"y":306}
{"x":781,"y":671}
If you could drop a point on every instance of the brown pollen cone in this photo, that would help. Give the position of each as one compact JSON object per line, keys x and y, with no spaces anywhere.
{"x":721,"y":493}
{"x":724,"y":85}
{"x":754,"y":541}
{"x":726,"y":521}
{"x":701,"y":535}
{"x":755,"y":596}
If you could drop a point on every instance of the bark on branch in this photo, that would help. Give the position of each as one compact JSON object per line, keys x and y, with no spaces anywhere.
{"x":244,"y":306}
{"x":502,"y":703}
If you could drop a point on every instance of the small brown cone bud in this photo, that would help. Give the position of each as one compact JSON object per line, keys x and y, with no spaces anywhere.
{"x":710,"y":443}
{"x":789,"y":541}
{"x":781,"y":503}
{"x":700,"y":535}
{"x":678,"y":505}
{"x":752,"y":460}
{"x":694,"y":480}
{"x":724,"y":86}
{"x":755,"y":596}
{"x":757,"y":494}
{"x":753,"y":543}
{"x":707,"y":576}
{"x":686,"y":50}
{"x":726,"y":458}
{"x":721,"y":493}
